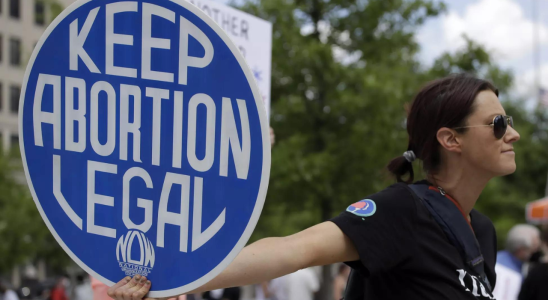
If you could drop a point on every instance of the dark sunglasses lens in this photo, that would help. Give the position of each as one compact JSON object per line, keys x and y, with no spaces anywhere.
{"x":499,"y":126}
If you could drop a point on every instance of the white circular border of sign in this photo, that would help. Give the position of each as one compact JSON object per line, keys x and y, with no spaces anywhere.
{"x":263,"y":187}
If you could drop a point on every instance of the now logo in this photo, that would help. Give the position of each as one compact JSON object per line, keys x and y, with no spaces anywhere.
{"x":146,"y":250}
{"x":141,"y":264}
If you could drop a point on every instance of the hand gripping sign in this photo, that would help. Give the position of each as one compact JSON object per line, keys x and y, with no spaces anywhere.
{"x":144,"y":141}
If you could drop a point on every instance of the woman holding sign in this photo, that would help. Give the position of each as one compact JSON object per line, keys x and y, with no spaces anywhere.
{"x":408,"y":241}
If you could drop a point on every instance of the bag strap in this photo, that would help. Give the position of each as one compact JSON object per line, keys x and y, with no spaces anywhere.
{"x":355,"y":287}
{"x":456,"y":228}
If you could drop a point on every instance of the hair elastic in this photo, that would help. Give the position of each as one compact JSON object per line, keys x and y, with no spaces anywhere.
{"x":409,"y":155}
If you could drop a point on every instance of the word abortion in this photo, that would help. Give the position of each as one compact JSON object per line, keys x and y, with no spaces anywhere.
{"x":229,"y":135}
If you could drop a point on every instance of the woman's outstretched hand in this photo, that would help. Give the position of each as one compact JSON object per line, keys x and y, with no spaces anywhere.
{"x":129,"y":288}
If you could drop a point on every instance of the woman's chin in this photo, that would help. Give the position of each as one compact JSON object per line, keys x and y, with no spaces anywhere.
{"x":507,"y":169}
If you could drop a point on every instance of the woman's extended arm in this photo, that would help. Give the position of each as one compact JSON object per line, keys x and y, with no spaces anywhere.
{"x":267,"y":259}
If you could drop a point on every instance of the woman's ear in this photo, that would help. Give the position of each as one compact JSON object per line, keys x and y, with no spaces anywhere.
{"x":448,"y":139}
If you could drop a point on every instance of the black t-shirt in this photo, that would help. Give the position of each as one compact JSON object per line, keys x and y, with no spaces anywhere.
{"x":535,"y":285}
{"x":404,"y":253}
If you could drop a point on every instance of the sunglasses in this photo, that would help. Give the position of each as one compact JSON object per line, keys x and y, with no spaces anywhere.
{"x":500,"y":124}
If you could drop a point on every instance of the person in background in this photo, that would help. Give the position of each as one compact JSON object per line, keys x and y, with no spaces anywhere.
{"x":232,"y":293}
{"x":535,"y":285}
{"x":7,"y":294}
{"x":58,"y":292}
{"x":99,"y":289}
{"x":522,"y":241}
{"x":83,"y":290}
{"x":302,"y":285}
{"x":272,"y":137}
{"x":275,"y":289}
{"x":339,"y":284}
{"x":262,"y":291}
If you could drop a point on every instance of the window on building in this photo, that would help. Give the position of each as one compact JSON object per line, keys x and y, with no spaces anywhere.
{"x":15,"y":52}
{"x":39,"y":12}
{"x":15,"y":9}
{"x":15,"y":92}
{"x":1,"y":46}
{"x":1,"y":4}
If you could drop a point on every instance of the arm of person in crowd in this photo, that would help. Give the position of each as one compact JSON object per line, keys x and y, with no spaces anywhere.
{"x":264,"y":260}
{"x":338,"y":287}
{"x":265,"y":289}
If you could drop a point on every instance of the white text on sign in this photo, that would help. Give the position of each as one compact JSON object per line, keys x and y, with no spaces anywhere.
{"x":186,"y":29}
{"x":119,"y":127}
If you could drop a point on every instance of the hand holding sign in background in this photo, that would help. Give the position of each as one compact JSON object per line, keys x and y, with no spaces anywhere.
{"x":145,"y":141}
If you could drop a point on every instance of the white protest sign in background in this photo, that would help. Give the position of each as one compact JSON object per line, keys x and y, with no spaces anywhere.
{"x":252,"y":35}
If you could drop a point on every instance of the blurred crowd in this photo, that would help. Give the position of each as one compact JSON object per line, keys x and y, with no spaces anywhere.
{"x":301,"y":285}
{"x":522,"y":274}
{"x":522,"y":267}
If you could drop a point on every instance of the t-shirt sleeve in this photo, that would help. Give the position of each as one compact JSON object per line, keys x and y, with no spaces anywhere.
{"x":382,"y":228}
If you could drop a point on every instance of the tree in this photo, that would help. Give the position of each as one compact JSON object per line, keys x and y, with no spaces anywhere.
{"x":24,"y":236}
{"x":342,"y":71}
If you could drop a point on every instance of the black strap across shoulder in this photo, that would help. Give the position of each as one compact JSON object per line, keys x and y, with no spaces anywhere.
{"x":456,"y":228}
{"x":454,"y":225}
{"x":355,"y":288}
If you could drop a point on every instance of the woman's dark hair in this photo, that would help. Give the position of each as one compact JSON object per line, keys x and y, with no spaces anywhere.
{"x":445,"y":102}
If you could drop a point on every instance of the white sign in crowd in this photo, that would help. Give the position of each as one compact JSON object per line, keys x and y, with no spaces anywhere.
{"x":252,"y":35}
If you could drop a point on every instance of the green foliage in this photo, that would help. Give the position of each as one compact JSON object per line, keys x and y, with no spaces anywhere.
{"x":24,"y":235}
{"x":55,"y":8}
{"x":342,"y":74}
{"x":25,"y":238}
{"x":339,"y":121}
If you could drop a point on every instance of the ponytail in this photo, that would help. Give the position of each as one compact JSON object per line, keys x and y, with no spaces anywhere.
{"x":402,"y":165}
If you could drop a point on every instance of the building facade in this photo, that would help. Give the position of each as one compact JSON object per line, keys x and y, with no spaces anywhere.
{"x":22,"y":22}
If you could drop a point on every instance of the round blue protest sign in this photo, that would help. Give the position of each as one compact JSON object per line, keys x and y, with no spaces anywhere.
{"x":145,"y":141}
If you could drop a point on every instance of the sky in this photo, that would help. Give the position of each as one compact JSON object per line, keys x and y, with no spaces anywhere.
{"x":503,"y":27}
